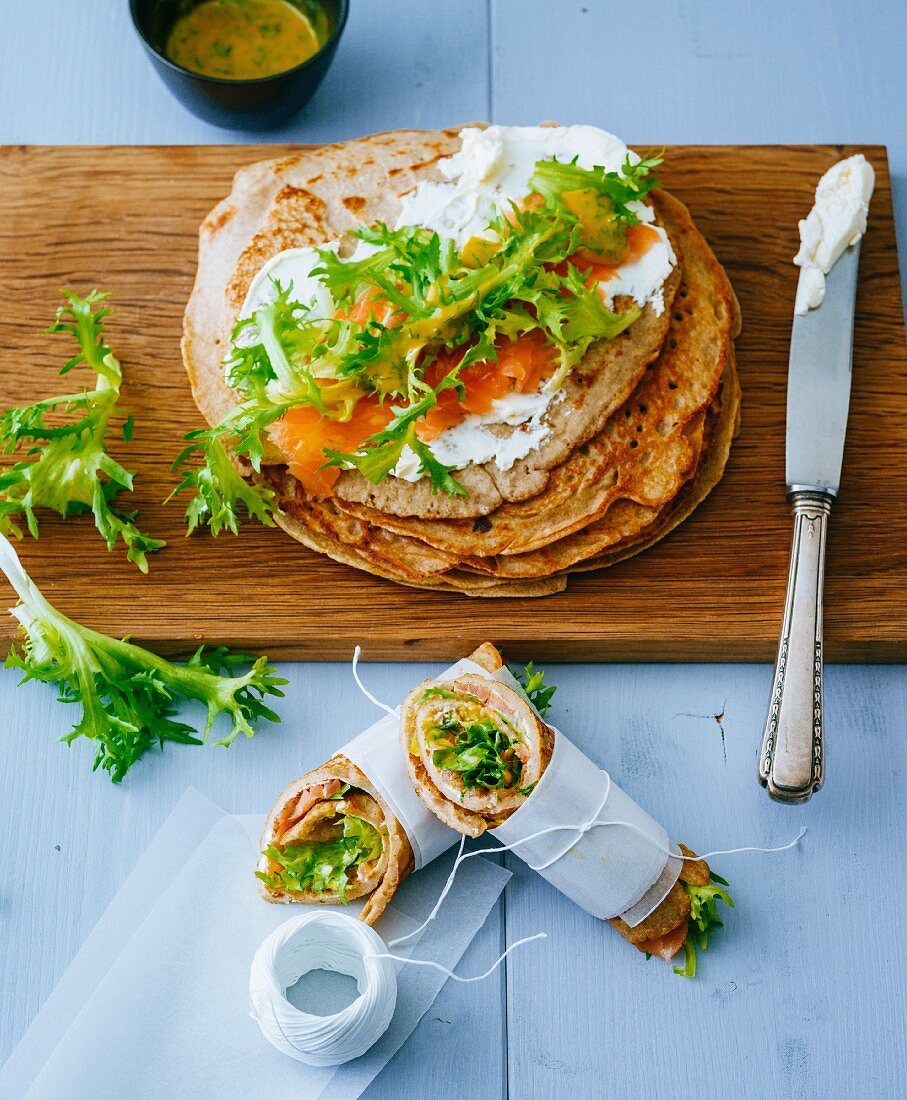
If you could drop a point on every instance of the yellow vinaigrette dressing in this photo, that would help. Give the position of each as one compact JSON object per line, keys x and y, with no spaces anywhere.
{"x":242,"y":39}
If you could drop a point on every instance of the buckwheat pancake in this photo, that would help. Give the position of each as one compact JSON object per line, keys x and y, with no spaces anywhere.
{"x":626,"y":528}
{"x":612,"y":495}
{"x":629,"y":527}
{"x":594,"y":389}
{"x":722,"y":425}
{"x":310,"y":197}
{"x":637,"y":436}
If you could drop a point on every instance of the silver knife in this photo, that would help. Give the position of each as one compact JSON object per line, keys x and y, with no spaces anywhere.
{"x":792,"y":758}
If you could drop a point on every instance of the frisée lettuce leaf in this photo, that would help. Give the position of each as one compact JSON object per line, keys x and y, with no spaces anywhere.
{"x":704,"y":920}
{"x":128,"y":695}
{"x":322,"y":866}
{"x":219,"y":489}
{"x":481,"y":752}
{"x":539,"y":693}
{"x":66,"y":466}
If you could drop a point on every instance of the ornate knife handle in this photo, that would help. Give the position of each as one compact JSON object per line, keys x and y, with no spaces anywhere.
{"x":791,"y":762}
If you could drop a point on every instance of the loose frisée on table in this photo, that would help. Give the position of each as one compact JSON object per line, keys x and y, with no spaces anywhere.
{"x":66,"y":465}
{"x":129,"y":696}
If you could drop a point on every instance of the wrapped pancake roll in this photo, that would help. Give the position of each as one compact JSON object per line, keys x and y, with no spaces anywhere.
{"x":482,"y":758}
{"x":354,"y":827}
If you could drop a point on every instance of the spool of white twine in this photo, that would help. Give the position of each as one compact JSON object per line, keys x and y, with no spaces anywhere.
{"x":323,"y":940}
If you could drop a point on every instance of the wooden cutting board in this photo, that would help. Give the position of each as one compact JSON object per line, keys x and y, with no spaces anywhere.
{"x":125,"y":219}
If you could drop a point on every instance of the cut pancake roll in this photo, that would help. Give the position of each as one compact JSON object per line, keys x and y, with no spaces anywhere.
{"x":330,"y":839}
{"x":475,"y":750}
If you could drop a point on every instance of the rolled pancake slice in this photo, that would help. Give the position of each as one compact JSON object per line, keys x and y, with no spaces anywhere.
{"x":475,"y":749}
{"x":329,"y":839}
{"x":435,"y":725}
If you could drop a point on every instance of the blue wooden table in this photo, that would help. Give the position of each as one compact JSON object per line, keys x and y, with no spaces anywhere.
{"x":802,"y":995}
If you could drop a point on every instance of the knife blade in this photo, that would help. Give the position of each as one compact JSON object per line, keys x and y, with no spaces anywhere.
{"x":792,"y":757}
{"x":818,"y":382}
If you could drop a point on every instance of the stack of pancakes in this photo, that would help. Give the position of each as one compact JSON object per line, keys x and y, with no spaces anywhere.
{"x":638,"y":438}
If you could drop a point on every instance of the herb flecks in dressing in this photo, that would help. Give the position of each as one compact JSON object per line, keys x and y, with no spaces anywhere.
{"x":242,"y":39}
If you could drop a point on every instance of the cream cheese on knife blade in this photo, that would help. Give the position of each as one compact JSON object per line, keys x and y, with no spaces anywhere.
{"x":491,"y":169}
{"x":836,"y":221}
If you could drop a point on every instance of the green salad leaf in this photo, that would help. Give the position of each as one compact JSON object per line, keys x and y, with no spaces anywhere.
{"x":129,"y":696}
{"x":704,"y":920}
{"x":323,"y":865}
{"x":481,"y":752}
{"x":688,"y":969}
{"x":533,"y":683}
{"x":381,"y":452}
{"x":552,"y":178}
{"x":442,"y":693}
{"x":704,"y":910}
{"x":66,"y":466}
{"x":219,"y":490}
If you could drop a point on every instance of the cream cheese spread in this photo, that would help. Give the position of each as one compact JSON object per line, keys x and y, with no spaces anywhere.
{"x":493,"y":167}
{"x":643,"y":279}
{"x":474,"y":438}
{"x":837,"y":220}
{"x":292,"y":269}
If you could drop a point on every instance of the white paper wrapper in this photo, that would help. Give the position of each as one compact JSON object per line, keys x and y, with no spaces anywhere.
{"x":632,"y":869}
{"x":377,"y":752}
{"x":156,"y":1004}
{"x":611,"y":870}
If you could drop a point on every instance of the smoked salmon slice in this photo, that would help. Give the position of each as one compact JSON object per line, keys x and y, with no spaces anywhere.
{"x":520,"y":368}
{"x":666,"y":946}
{"x":303,"y":434}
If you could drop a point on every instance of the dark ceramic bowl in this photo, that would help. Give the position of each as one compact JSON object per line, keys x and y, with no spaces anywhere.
{"x":257,"y":104}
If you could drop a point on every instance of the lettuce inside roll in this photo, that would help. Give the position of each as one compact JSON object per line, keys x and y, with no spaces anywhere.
{"x":331,"y":839}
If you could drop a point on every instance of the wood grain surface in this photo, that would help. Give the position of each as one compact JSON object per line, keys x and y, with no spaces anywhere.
{"x":125,"y":219}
